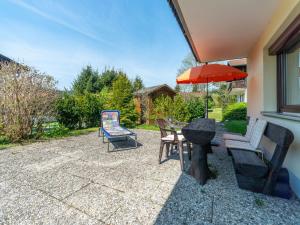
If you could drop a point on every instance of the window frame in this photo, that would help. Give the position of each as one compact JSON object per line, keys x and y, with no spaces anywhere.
{"x":289,"y":38}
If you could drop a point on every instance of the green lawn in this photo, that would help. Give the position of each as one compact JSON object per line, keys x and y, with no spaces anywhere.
{"x":216,"y":114}
{"x":236,"y":126}
{"x":147,"y":127}
{"x":49,"y":134}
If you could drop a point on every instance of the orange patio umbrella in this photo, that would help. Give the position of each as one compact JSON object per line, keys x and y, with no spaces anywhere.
{"x":210,"y":73}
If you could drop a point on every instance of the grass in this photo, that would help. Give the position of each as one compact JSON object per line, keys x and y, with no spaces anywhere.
{"x":55,"y":133}
{"x":147,"y":127}
{"x":236,"y":126}
{"x":5,"y":143}
{"x":216,"y":114}
{"x":259,"y":202}
{"x":65,"y":132}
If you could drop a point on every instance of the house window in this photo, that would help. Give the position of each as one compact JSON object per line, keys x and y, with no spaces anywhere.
{"x":288,"y":79}
{"x":287,"y":49}
{"x":292,"y":78}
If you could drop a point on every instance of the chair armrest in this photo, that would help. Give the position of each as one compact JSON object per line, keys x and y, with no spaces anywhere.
{"x":172,"y":131}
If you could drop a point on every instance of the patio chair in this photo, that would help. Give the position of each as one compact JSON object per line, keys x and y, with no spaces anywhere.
{"x":172,"y":139}
{"x":253,"y":144}
{"x":111,"y":128}
{"x":176,"y":124}
{"x":247,"y":136}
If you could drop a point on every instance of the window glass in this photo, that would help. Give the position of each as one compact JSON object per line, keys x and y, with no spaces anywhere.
{"x":292,"y":84}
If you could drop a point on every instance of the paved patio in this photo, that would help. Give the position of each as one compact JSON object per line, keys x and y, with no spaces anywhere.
{"x":75,"y":181}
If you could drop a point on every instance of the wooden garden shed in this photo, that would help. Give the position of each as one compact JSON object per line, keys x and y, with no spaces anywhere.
{"x":145,"y":97}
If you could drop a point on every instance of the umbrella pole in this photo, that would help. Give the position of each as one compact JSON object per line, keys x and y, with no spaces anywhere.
{"x":206,"y":99}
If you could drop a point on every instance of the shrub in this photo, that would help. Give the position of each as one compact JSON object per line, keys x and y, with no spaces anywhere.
{"x":26,"y":100}
{"x":90,"y":105}
{"x":77,"y":111}
{"x":57,"y":131}
{"x":196,"y":107}
{"x":67,"y":111}
{"x":181,"y":109}
{"x":162,"y":107}
{"x":236,"y":111}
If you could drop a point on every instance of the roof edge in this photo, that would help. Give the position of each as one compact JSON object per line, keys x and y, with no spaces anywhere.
{"x":155,"y":89}
{"x":178,"y":15}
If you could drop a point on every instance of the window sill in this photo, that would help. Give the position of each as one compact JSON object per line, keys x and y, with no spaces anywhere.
{"x":289,"y":116}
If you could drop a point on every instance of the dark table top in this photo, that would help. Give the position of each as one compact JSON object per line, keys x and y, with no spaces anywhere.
{"x":200,"y":131}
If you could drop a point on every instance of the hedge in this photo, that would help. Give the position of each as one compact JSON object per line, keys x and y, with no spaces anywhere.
{"x":235,"y":111}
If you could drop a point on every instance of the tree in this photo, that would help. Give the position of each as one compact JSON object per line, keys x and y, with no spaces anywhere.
{"x":180,"y":109}
{"x":122,"y":99}
{"x":177,"y":88}
{"x":188,"y":62}
{"x":137,"y":83}
{"x":107,"y":78}
{"x":86,"y":81}
{"x":26,"y":100}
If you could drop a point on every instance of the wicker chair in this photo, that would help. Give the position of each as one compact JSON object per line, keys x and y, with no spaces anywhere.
{"x":171,"y":140}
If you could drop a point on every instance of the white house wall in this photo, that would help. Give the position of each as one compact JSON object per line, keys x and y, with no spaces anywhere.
{"x":261,"y":90}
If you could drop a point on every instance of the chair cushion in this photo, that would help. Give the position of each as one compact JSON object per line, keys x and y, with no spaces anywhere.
{"x":240,"y":145}
{"x":258,"y":131}
{"x":250,"y":127}
{"x":171,"y":138}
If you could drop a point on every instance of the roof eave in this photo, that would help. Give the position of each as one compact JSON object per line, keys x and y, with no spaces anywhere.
{"x":176,"y":11}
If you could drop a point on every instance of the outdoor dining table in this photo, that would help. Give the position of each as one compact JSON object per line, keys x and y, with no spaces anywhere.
{"x":200,"y":132}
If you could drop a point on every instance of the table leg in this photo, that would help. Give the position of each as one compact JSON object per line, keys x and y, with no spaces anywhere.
{"x":199,"y":168}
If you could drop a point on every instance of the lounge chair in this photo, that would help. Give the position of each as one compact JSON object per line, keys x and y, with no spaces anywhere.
{"x":111,"y":128}
{"x":253,"y":144}
{"x":247,"y":136}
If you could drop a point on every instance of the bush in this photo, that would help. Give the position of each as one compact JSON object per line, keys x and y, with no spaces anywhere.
{"x":68,"y":111}
{"x":90,"y":105}
{"x":196,"y":107}
{"x":26,"y":100}
{"x":162,"y":107}
{"x":180,"y":109}
{"x":77,"y":111}
{"x":4,"y":140}
{"x":57,"y":131}
{"x":236,"y":111}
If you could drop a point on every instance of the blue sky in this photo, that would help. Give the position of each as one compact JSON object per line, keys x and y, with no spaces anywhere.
{"x":141,"y":37}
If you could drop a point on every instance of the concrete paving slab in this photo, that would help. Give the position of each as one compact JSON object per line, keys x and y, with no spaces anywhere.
{"x":96,"y":200}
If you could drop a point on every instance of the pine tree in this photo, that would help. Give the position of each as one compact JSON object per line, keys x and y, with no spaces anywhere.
{"x":122,"y":99}
{"x":86,"y":81}
{"x":137,"y":83}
